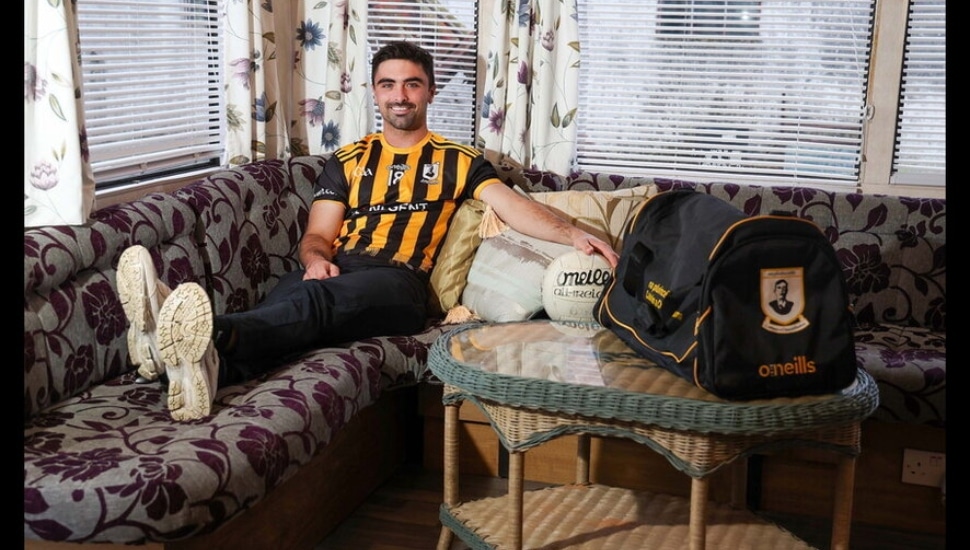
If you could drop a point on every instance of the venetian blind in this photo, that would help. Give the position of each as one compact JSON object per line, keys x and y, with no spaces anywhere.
{"x":448,"y":29}
{"x":920,"y":152}
{"x":151,"y":75}
{"x":771,"y":90}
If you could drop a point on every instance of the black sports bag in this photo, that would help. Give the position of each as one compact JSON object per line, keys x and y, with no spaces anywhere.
{"x":744,"y":306}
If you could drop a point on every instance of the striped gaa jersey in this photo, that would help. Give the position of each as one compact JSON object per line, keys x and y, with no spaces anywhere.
{"x":400,"y":202}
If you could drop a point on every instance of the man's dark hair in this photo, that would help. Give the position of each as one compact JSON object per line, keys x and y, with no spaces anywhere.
{"x":402,"y":49}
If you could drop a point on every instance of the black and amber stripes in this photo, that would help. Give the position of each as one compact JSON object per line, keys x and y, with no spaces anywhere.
{"x":401,"y":201}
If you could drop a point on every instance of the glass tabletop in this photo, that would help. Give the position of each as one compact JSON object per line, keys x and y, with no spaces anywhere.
{"x":559,"y":352}
{"x":583,"y":368}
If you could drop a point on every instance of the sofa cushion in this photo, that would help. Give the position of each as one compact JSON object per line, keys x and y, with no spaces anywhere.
{"x":604,"y":181}
{"x":504,"y":281}
{"x":405,"y":358}
{"x":253,"y":217}
{"x":528,"y":179}
{"x":909,"y":366}
{"x":455,"y":257}
{"x":602,"y":214}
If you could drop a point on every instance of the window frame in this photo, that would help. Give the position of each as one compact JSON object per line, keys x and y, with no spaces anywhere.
{"x":885,"y":82}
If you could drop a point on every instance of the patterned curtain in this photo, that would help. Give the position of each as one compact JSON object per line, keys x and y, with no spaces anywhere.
{"x":58,"y":181}
{"x":531,"y":83}
{"x":297,"y":77}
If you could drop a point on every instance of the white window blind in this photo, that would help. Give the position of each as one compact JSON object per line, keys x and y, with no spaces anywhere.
{"x":771,"y":90}
{"x":447,"y":29}
{"x":151,"y":86}
{"x":920,"y":152}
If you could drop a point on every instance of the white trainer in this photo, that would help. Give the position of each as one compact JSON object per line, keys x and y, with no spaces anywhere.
{"x":188,"y":352}
{"x":141,"y":294}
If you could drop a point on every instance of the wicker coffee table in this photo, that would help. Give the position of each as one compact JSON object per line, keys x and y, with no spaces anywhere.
{"x":538,"y":380}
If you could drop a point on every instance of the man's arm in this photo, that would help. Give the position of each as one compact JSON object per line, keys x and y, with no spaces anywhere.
{"x":316,"y":246}
{"x":534,"y":219}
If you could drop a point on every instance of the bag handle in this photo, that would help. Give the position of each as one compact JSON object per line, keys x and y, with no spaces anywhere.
{"x":660,"y":324}
{"x":638,"y":259}
{"x":639,"y":256}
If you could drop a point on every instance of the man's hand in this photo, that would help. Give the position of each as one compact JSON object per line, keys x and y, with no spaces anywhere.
{"x":316,"y":246}
{"x":592,"y":245}
{"x":319,"y":269}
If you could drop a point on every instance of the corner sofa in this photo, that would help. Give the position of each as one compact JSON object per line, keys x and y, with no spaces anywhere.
{"x":284,"y":458}
{"x":280,"y":460}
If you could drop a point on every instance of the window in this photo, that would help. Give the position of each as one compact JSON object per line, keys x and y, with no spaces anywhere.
{"x":775,"y":91}
{"x":920,"y":149}
{"x":448,"y":29}
{"x":152,"y":90}
{"x":759,"y":90}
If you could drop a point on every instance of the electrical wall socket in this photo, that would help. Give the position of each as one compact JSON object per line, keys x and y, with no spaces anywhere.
{"x":923,"y":467}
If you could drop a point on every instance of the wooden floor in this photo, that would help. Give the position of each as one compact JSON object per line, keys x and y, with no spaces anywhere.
{"x":403,"y":515}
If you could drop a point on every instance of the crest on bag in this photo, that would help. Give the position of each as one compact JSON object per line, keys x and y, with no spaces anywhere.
{"x":783,"y":300}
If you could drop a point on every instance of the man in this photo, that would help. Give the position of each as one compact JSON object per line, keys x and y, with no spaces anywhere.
{"x":380,"y":212}
{"x":781,"y":304}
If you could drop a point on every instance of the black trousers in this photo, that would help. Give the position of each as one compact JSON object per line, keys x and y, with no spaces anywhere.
{"x":368,"y":298}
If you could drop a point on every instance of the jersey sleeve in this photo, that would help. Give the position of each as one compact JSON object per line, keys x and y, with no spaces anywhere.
{"x":481,"y":174}
{"x":332,"y":183}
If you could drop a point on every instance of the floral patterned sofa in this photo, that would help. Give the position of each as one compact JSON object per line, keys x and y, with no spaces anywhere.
{"x":104,"y":463}
{"x":284,"y":458}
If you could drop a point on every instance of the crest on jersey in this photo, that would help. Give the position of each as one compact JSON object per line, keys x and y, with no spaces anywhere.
{"x":429,"y":173}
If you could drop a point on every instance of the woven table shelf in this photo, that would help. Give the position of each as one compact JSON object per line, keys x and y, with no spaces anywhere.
{"x":597,"y":517}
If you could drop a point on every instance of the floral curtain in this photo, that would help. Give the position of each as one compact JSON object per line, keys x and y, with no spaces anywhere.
{"x":297,"y":77}
{"x":58,"y":181}
{"x":531,"y":83}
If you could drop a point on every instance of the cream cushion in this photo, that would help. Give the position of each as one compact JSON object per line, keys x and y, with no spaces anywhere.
{"x":504,"y":281}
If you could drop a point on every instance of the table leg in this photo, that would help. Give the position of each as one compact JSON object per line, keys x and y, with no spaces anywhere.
{"x":842,"y":514}
{"x":582,"y":459}
{"x":450,"y":469}
{"x":698,"y":513}
{"x":516,"y":473}
{"x":445,"y":538}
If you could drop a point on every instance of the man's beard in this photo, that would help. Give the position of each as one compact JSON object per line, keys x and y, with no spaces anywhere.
{"x":401,"y":122}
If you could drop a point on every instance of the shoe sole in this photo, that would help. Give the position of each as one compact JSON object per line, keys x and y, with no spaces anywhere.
{"x":184,"y":337}
{"x":133,"y":287}
{"x":133,"y":281}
